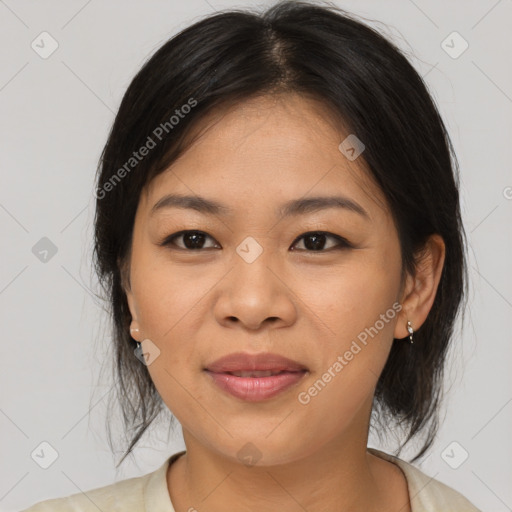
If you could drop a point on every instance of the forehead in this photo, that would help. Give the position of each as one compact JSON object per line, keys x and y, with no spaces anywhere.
{"x":284,"y":146}
{"x":270,"y":125}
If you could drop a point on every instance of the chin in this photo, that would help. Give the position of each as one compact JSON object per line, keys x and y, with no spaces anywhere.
{"x":260,"y":451}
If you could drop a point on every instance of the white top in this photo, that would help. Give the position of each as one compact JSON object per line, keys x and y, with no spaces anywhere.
{"x":149,"y":493}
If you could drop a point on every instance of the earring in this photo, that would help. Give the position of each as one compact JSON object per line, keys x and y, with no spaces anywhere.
{"x":410,"y":330}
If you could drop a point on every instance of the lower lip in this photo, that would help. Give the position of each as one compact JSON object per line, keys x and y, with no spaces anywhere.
{"x":254,"y":389}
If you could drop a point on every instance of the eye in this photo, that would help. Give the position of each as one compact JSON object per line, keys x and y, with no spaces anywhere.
{"x":192,"y":240}
{"x":313,"y":241}
{"x":316,"y":241}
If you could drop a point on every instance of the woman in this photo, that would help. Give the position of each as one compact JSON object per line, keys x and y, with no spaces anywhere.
{"x":279,"y":235}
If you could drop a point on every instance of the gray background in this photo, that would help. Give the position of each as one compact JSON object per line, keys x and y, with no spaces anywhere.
{"x":56,"y":114}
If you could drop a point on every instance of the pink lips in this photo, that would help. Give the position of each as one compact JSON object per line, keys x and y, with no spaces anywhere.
{"x":255,"y":377}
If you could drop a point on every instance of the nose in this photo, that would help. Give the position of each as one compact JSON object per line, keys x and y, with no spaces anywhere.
{"x":254,"y":295}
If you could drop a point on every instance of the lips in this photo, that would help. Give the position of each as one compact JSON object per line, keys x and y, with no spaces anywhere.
{"x":257,"y":377}
{"x":243,"y":362}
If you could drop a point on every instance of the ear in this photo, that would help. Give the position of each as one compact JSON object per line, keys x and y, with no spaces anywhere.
{"x":420,"y":289}
{"x":124,"y":270}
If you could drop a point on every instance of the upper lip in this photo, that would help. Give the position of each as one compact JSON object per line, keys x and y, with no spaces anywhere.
{"x":241,"y":361}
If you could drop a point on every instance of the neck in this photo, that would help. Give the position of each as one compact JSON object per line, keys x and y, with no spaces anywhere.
{"x":339,"y":476}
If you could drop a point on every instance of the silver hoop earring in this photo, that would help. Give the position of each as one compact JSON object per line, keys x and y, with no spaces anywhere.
{"x":410,"y":330}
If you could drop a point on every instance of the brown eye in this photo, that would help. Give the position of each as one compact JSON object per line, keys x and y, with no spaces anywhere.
{"x":316,"y":241}
{"x":191,"y":240}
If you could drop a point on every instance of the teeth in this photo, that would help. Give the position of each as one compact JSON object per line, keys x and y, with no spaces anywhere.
{"x":256,"y":373}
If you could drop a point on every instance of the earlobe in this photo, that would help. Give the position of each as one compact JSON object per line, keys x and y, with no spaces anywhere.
{"x":125,"y":284}
{"x":134,"y":325}
{"x":420,"y":290}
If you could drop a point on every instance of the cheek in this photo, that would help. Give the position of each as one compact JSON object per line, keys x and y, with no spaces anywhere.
{"x":167,"y":295}
{"x":172,"y":305}
{"x":350,"y":297}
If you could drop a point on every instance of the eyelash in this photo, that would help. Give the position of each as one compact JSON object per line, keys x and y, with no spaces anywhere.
{"x":342,"y":242}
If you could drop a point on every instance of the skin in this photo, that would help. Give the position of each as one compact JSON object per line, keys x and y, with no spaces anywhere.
{"x":199,"y":305}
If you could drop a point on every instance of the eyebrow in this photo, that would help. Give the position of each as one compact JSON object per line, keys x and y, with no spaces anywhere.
{"x":291,"y":208}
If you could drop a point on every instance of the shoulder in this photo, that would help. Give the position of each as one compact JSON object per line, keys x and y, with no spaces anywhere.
{"x":425,"y":492}
{"x":133,"y":494}
{"x":124,"y":495}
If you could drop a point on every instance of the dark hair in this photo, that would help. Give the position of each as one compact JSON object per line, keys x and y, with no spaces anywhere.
{"x":320,"y":52}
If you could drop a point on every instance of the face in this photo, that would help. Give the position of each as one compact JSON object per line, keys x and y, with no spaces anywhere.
{"x":318,"y":284}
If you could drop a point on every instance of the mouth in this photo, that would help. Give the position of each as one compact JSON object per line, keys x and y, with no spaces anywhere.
{"x":255,"y":386}
{"x":255,"y":377}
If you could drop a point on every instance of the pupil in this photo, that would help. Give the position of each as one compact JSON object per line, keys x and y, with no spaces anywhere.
{"x":196,"y":240}
{"x":318,"y":242}
{"x":312,"y":242}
